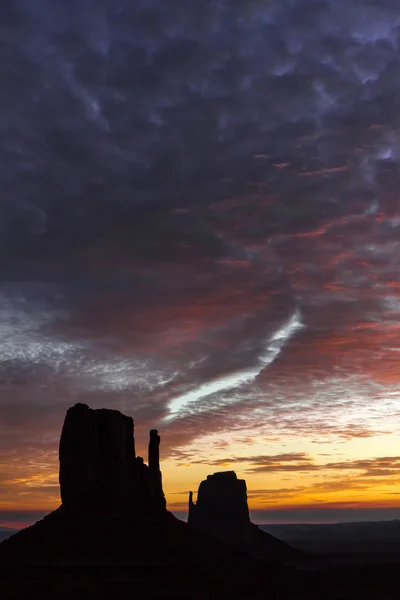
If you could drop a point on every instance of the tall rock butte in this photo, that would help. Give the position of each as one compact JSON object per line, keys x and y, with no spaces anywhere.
{"x":222,"y":511}
{"x":221,"y":498}
{"x":99,"y":469}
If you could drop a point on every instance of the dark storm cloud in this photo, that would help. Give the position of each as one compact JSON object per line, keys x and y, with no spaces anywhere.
{"x":199,"y":194}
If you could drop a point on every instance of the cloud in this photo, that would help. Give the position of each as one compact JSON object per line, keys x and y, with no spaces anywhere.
{"x":171,"y":200}
{"x":292,"y":461}
{"x":235,"y":380}
{"x":301,"y":461}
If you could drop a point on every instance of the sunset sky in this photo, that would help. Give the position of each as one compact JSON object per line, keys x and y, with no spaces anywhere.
{"x":200,"y":227}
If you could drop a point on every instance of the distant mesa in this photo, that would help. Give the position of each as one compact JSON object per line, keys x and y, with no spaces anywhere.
{"x":221,"y":498}
{"x":222,"y":511}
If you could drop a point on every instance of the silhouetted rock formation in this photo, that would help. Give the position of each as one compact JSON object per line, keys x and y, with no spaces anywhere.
{"x":113,"y":507}
{"x":112,"y":536}
{"x":155,"y":475}
{"x":98,"y":465}
{"x":221,"y":496}
{"x":113,"y":515}
{"x":221,"y":510}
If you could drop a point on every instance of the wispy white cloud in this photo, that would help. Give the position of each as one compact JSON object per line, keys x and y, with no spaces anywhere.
{"x":274,"y":346}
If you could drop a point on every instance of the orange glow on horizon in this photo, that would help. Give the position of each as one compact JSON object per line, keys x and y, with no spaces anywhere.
{"x":281,"y":473}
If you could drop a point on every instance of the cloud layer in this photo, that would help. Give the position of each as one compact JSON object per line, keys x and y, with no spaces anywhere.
{"x":199,"y":217}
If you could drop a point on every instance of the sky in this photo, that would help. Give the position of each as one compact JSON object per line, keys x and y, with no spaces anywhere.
{"x":200,"y":227}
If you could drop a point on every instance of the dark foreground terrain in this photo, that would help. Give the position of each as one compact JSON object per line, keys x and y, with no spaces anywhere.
{"x":168,"y":560}
{"x":69,"y":556}
{"x":119,"y":584}
{"x":324,"y":583}
{"x":364,"y":538}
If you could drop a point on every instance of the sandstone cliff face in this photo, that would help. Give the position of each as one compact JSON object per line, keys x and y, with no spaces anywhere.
{"x":98,"y":465}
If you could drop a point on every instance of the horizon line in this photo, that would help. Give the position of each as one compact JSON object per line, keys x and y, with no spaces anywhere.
{"x":306,"y":515}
